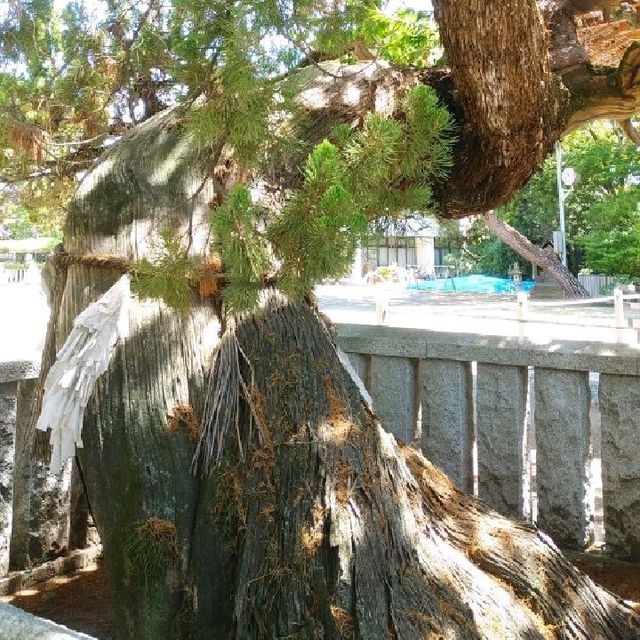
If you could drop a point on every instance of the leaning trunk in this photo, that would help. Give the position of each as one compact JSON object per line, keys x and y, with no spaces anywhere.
{"x":537,"y":256}
{"x":315,"y":522}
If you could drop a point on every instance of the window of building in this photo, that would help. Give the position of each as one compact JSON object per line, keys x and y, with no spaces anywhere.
{"x":391,"y":250}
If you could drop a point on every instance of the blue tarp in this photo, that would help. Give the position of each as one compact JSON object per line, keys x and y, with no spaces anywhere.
{"x":471,"y":284}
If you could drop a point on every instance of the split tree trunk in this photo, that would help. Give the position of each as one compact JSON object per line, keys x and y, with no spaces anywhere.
{"x":325,"y":527}
{"x":537,"y":256}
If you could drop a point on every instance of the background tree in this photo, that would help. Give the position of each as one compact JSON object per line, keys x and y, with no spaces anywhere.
{"x":612,"y":242}
{"x":605,"y":161}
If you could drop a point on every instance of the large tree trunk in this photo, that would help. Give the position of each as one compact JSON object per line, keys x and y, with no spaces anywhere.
{"x":537,"y":256}
{"x":321,"y":525}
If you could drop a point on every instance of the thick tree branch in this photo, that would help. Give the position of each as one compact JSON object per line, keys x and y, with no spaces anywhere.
{"x":511,"y":106}
{"x":630,"y":131}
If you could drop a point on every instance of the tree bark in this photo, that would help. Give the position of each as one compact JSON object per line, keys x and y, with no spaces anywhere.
{"x":630,"y":131}
{"x":537,"y":256}
{"x":321,"y":525}
{"x":521,"y":75}
{"x":513,"y":107}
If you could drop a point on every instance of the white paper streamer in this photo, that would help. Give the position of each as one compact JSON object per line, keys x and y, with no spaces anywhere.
{"x":83,"y":358}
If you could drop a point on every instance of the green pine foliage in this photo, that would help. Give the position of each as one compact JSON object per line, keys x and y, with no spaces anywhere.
{"x":243,"y":248}
{"x":74,"y":76}
{"x":168,"y":275}
{"x":316,"y":234}
{"x":237,"y":110}
{"x":392,"y":163}
{"x":383,"y":170}
{"x":428,"y":139}
{"x":407,"y":38}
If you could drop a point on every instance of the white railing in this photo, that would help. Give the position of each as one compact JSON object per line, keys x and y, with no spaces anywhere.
{"x":12,"y":276}
{"x":443,"y":271}
{"x":625,"y":309}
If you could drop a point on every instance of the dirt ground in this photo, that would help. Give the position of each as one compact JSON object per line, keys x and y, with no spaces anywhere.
{"x":82,"y":601}
{"x":621,"y":578}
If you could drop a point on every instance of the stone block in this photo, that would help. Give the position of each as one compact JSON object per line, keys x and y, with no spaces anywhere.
{"x":8,"y":392}
{"x":360,"y":363}
{"x":393,"y":390}
{"x":12,"y":371}
{"x":620,"y":420}
{"x":21,"y":625}
{"x":501,"y":403}
{"x":563,"y":433}
{"x":447,"y":418}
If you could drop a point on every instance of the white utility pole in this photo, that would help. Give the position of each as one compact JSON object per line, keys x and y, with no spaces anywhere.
{"x":561,"y":197}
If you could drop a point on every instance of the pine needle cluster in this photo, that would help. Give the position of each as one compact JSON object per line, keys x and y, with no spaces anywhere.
{"x":382,"y":170}
{"x":168,"y":274}
{"x":243,"y":247}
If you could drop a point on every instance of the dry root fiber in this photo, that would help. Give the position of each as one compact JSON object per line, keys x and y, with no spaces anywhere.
{"x":185,"y":416}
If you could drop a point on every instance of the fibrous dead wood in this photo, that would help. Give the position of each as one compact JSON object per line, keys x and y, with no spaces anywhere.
{"x":362,"y":535}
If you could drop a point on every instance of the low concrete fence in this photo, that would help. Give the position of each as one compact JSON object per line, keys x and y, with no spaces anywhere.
{"x":40,"y":513}
{"x":11,"y":276}
{"x":549,"y":432}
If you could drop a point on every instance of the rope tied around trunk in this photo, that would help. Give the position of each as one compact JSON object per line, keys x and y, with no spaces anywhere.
{"x":230,"y":381}
{"x":210,"y":277}
{"x":63,"y":258}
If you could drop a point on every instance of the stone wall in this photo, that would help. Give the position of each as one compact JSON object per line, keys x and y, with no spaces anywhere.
{"x":35,"y":506}
{"x":517,"y":422}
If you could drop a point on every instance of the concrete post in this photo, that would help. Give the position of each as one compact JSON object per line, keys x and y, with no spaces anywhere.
{"x":563,"y":432}
{"x":361,"y":365}
{"x":501,"y":403}
{"x":620,"y":415}
{"x":522,"y":301}
{"x":618,"y":309}
{"x":34,"y":504}
{"x":382,"y":304}
{"x":394,"y":395}
{"x":447,"y":418}
{"x":7,"y":447}
{"x":22,"y":476}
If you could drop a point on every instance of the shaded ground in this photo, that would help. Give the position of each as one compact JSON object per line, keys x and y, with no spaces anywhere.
{"x":621,"y":578}
{"x":81,"y":600}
